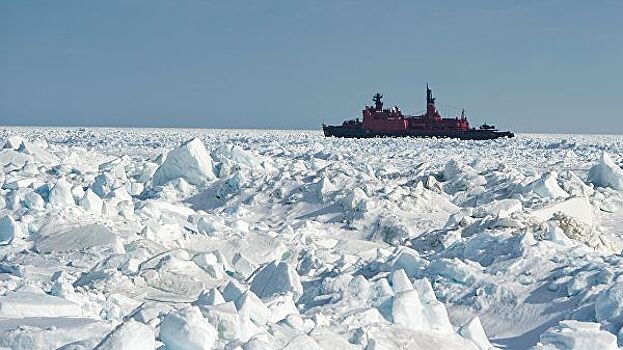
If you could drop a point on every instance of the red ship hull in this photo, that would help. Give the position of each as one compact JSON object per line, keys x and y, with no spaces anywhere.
{"x":472,"y":134}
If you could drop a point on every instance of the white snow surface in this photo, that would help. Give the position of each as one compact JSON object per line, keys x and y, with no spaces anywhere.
{"x":246,"y":239}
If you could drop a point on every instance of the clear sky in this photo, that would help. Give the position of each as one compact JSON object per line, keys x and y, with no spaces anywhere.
{"x":531,"y":66}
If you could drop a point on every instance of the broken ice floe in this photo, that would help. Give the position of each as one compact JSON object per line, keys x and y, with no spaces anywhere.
{"x":261,"y":241}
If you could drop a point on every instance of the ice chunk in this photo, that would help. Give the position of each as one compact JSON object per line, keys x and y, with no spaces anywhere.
{"x":409,"y":260}
{"x":33,"y":200}
{"x":280,"y":307}
{"x":121,"y":193}
{"x":354,"y":199}
{"x":224,"y":318}
{"x":187,"y":330}
{"x":91,"y":202}
{"x":324,"y":188}
{"x":13,"y":159}
{"x":503,"y":208}
{"x":453,"y":168}
{"x":257,"y":249}
{"x":425,"y":290}
{"x":302,"y":341}
{"x":229,"y":153}
{"x":381,"y":295}
{"x":158,"y":209}
{"x":25,"y":304}
{"x":190,"y":161}
{"x":233,"y":290}
{"x":454,"y":269}
{"x":328,"y":339}
{"x":400,"y":281}
{"x":407,"y":310}
{"x":145,"y":172}
{"x":276,"y":278}
{"x":38,"y":153}
{"x":609,"y":304}
{"x":13,"y":142}
{"x":578,"y":208}
{"x":606,"y":173}
{"x":578,"y":335}
{"x":15,"y":184}
{"x":210,"y":264}
{"x":60,"y":195}
{"x":78,"y":192}
{"x":116,"y":167}
{"x":473,"y":331}
{"x":359,"y":286}
{"x":210,"y":297}
{"x":9,"y":229}
{"x":258,"y":344}
{"x":149,"y":311}
{"x":436,"y":317}
{"x":337,"y":284}
{"x":136,"y":188}
{"x":129,"y":335}
{"x":207,"y":227}
{"x":547,"y":186}
{"x":249,"y":305}
{"x":78,"y":238}
{"x":557,"y":235}
{"x":47,"y":333}
{"x":103,"y":185}
{"x":242,"y":265}
{"x":419,"y":309}
{"x":118,"y":305}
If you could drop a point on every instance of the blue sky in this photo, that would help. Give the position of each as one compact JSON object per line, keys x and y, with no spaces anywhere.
{"x":532,"y":66}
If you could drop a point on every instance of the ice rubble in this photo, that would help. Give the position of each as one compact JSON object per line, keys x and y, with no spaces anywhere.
{"x":290,"y":240}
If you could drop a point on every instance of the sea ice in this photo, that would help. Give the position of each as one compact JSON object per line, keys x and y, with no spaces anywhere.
{"x":233,"y":239}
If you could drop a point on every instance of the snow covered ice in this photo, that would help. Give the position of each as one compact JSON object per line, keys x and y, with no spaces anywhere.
{"x":226,"y":239}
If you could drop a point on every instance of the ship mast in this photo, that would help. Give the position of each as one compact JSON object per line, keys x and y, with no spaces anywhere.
{"x":378,"y":104}
{"x":430,"y":102}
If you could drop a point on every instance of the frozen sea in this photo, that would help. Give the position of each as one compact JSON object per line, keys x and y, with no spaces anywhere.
{"x":257,"y":239}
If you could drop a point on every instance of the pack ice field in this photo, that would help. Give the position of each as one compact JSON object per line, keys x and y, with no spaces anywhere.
{"x":177,"y":239}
